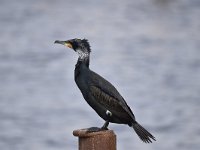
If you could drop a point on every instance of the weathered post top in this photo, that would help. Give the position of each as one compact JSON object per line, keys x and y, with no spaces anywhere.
{"x":101,"y":140}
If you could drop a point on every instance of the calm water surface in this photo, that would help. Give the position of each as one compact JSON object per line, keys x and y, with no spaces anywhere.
{"x":149,"y":49}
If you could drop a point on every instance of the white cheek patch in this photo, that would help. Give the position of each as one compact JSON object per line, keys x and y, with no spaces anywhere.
{"x":108,"y":113}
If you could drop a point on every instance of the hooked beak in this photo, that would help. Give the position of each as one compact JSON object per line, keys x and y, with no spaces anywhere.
{"x":65,"y":43}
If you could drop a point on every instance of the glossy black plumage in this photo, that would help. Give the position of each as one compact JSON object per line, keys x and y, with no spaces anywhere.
{"x":100,"y":94}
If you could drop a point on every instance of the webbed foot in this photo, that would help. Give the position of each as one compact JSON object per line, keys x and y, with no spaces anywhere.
{"x":96,"y":129}
{"x":93,"y":129}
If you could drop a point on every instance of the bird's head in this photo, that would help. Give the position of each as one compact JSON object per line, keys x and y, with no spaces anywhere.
{"x":81,"y":46}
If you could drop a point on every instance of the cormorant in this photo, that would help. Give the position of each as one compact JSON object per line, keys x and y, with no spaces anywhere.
{"x":100,"y":94}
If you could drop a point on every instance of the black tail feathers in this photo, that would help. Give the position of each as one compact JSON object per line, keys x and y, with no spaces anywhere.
{"x":143,"y":134}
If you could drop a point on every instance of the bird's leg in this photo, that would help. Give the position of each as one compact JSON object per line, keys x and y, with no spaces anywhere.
{"x":105,"y":126}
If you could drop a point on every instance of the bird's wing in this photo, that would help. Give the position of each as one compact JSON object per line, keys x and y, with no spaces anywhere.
{"x":107,"y":95}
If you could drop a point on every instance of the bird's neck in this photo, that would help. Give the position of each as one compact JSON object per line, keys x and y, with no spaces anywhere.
{"x":84,"y":58}
{"x":81,"y":65}
{"x":85,"y":62}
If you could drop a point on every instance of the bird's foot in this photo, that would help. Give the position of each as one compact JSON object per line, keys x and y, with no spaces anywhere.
{"x":93,"y":129}
{"x":96,"y":129}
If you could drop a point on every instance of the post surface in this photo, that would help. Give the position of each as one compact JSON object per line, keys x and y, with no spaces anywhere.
{"x":101,"y":140}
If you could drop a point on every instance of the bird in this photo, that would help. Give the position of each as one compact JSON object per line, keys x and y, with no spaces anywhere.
{"x":100,"y":94}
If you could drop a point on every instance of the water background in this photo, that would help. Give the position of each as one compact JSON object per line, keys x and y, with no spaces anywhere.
{"x":149,"y":49}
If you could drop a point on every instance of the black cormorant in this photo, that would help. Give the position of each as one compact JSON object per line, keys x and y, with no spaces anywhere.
{"x":100,"y":94}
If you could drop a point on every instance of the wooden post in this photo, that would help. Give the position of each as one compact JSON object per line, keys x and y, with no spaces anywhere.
{"x":101,"y":140}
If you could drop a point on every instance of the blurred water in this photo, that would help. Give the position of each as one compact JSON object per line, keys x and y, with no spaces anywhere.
{"x":149,"y":49}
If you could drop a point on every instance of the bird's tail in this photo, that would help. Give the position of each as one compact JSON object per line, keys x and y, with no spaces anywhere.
{"x":143,"y":134}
